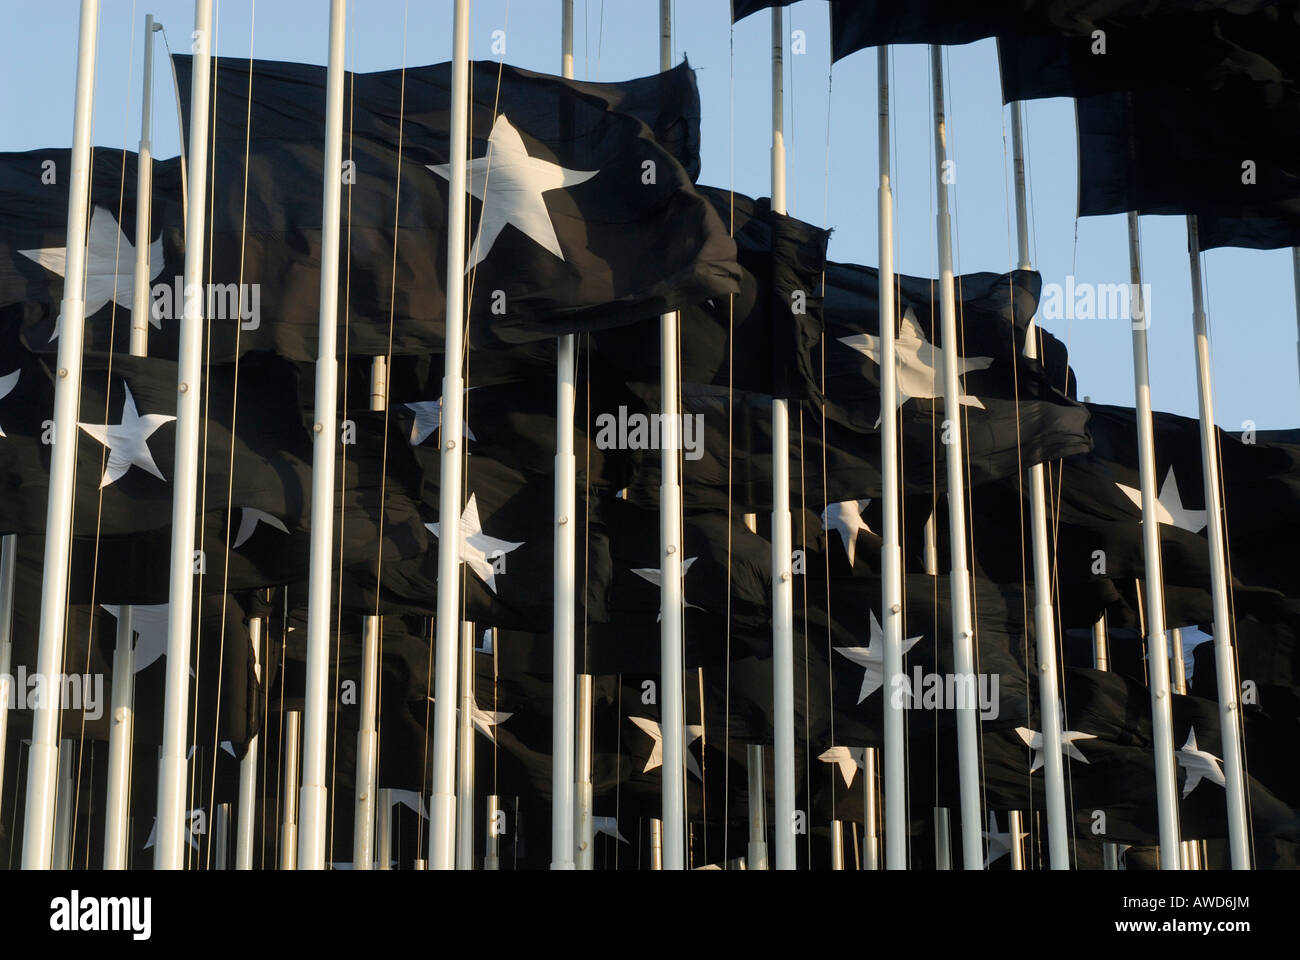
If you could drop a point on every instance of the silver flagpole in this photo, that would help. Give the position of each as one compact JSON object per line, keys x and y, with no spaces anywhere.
{"x":384,"y":830}
{"x":586,"y":854}
{"x":221,"y":837}
{"x":363,"y":831}
{"x":8,"y":567}
{"x":1157,"y":647}
{"x":870,"y":816}
{"x":1101,"y":661}
{"x":656,"y":844}
{"x":782,"y":581}
{"x":363,"y":821}
{"x":566,"y":508}
{"x":492,"y":860}
{"x":170,"y":842}
{"x":671,"y":695}
{"x":757,"y":852}
{"x":292,"y":747}
{"x":837,"y":844}
{"x":43,"y":758}
{"x":891,"y":551}
{"x":465,"y":747}
{"x":1015,"y":826}
{"x":968,"y":771}
{"x":117,"y":807}
{"x":1049,"y":695}
{"x":1162,"y":722}
{"x":63,"y":816}
{"x":942,"y":839}
{"x":1225,"y":659}
{"x":442,"y":820}
{"x":311,"y":836}
{"x":247,"y":824}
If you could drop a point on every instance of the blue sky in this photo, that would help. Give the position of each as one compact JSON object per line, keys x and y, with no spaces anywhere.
{"x":831,"y":144}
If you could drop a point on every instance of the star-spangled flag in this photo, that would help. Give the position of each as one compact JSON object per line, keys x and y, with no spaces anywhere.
{"x":569,"y":182}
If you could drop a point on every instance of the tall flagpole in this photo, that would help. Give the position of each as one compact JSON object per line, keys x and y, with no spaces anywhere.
{"x":363,"y":817}
{"x":1162,"y":721}
{"x":8,"y":569}
{"x":314,"y":794}
{"x":43,"y":760}
{"x":442,"y":820}
{"x":585,"y":858}
{"x":465,"y":747}
{"x":566,"y":507}
{"x":782,"y":582}
{"x":170,"y":844}
{"x":671,"y":696}
{"x":247,"y":823}
{"x":891,"y":551}
{"x":122,"y":707}
{"x":1049,"y":695}
{"x":963,"y":654}
{"x":1224,"y":657}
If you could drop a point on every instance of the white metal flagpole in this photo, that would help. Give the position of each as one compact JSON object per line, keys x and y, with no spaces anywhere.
{"x":586,"y":853}
{"x":465,"y":747}
{"x":891,"y":551}
{"x":963,"y":656}
{"x":442,"y":820}
{"x":757,"y":851}
{"x":1225,"y":660}
{"x":43,"y":758}
{"x":782,"y":581}
{"x":313,"y":799}
{"x":1162,"y":722}
{"x":363,"y":821}
{"x":671,"y":695}
{"x":1049,"y":695}
{"x":289,"y":845}
{"x":170,"y":842}
{"x":247,"y":824}
{"x":117,"y":807}
{"x":565,"y":565}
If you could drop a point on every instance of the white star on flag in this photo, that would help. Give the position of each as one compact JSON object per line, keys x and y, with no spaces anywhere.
{"x":1169,"y":505}
{"x":846,"y":519}
{"x":476,"y":547}
{"x":849,"y":759}
{"x":511,"y":183}
{"x":127,"y":441}
{"x":149,"y":624}
{"x":110,"y":265}
{"x":7,"y":384}
{"x":920,"y":363}
{"x":692,"y":732}
{"x":189,"y":831}
{"x":651,"y":575}
{"x":249,"y":518}
{"x":1199,"y":764}
{"x":428,"y":418}
{"x":872,"y":658}
{"x":999,"y":841}
{"x":485,"y":720}
{"x":1034,"y":741}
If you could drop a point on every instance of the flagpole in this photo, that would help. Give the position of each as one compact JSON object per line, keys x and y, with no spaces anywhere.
{"x":1101,"y":661}
{"x":566,"y":507}
{"x":63,"y":815}
{"x":384,"y":830}
{"x":1224,"y":656}
{"x":117,"y":807}
{"x":968,"y":768}
{"x":170,"y":843}
{"x":870,"y":815}
{"x":757,"y":852}
{"x":891,"y":552}
{"x":1049,"y":695}
{"x":221,"y":837}
{"x":43,"y":757}
{"x":465,"y":747}
{"x":289,"y":836}
{"x":586,"y":853}
{"x":782,"y":582}
{"x":314,"y":794}
{"x":1162,"y":722}
{"x":247,"y":825}
{"x":8,"y":568}
{"x":492,"y":860}
{"x":442,"y":820}
{"x":363,"y":822}
{"x":671,"y":695}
